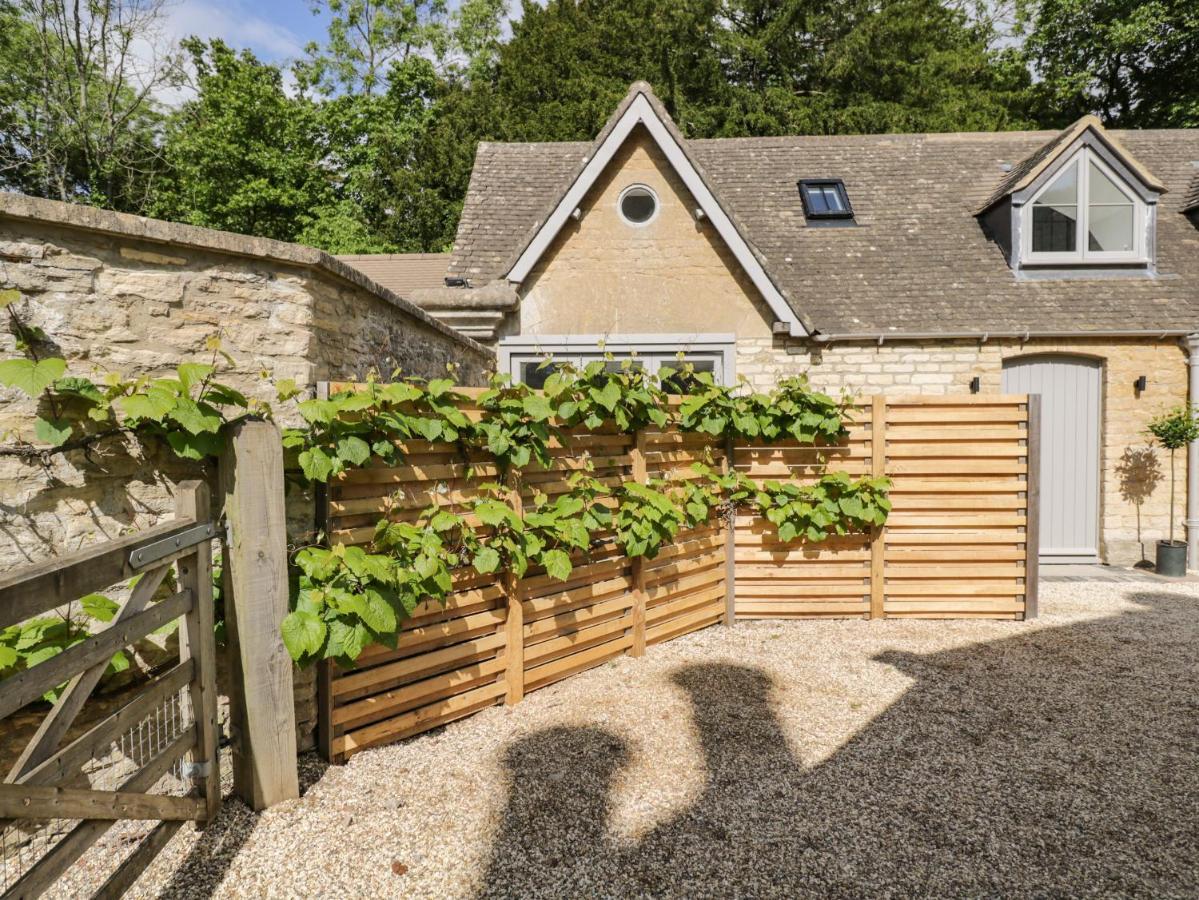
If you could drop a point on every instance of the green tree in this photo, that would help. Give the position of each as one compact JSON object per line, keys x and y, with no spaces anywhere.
{"x":78,"y":116}
{"x":369,"y":151}
{"x":242,"y":155}
{"x":1133,"y":63}
{"x":367,"y":37}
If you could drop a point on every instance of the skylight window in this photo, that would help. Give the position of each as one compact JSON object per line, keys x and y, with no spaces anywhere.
{"x":825,"y":200}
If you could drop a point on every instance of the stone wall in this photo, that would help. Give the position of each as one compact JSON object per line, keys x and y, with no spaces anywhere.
{"x":117,"y":293}
{"x":1135,"y":489}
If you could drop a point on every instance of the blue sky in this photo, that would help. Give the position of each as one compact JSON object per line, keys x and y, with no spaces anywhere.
{"x":276,"y":30}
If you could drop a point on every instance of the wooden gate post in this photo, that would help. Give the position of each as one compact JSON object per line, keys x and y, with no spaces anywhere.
{"x":262,"y":705}
{"x":730,"y":539}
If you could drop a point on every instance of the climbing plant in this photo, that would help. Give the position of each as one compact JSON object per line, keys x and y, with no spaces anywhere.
{"x":348,"y":597}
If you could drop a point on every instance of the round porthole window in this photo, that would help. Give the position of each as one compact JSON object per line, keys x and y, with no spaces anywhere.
{"x":638,"y":204}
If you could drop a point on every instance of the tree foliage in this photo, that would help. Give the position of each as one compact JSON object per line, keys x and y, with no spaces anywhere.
{"x":240,"y":154}
{"x":79,"y":119}
{"x":1133,"y":63}
{"x":366,"y":144}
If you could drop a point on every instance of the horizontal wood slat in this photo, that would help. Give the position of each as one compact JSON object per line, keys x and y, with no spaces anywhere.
{"x":954,"y":543}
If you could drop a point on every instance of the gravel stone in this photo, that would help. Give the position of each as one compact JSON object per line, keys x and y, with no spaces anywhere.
{"x":898,"y":758}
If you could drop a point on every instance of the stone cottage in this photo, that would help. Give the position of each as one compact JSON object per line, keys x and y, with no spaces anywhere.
{"x":1065,"y":264}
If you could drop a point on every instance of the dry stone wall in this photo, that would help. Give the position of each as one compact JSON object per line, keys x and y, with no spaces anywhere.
{"x":122,"y":294}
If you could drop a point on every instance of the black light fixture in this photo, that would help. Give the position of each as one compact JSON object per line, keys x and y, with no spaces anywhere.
{"x":975,"y":384}
{"x":1141,"y":383}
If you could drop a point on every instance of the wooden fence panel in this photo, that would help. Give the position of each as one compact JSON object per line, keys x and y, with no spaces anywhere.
{"x":954,"y":546}
{"x":801,"y":580}
{"x":955,"y":540}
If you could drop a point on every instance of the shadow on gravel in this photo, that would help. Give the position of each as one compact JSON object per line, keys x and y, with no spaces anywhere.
{"x":209,"y":858}
{"x":1059,"y":762}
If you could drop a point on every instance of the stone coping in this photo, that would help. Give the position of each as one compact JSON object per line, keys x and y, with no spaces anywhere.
{"x":89,"y":218}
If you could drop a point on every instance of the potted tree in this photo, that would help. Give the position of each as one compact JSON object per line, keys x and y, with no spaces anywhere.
{"x":1173,"y":430}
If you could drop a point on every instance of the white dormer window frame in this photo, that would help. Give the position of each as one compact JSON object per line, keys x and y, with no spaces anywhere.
{"x":1082,"y":255}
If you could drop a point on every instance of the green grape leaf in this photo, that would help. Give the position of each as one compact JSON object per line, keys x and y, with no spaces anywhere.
{"x":31,"y":377}
{"x":191,"y":374}
{"x":487,"y":560}
{"x":353,"y":450}
{"x":557,"y":564}
{"x":303,"y":634}
{"x":316,"y":464}
{"x":54,"y":432}
{"x":99,"y":607}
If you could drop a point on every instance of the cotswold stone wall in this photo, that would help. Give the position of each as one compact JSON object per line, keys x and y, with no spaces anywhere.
{"x":1135,"y":488}
{"x":117,"y":293}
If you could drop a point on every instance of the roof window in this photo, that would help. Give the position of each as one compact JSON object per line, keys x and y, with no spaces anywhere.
{"x":825,"y":201}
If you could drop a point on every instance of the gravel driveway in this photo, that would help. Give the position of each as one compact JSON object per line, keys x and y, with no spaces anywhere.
{"x":840,"y":758}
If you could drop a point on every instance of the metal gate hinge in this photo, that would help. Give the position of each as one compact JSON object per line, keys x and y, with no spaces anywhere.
{"x":195,"y":770}
{"x":143,"y":556}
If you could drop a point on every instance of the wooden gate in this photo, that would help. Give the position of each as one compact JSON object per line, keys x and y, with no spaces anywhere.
{"x":152,"y":759}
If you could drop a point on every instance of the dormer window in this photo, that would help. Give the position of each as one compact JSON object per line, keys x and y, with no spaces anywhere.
{"x":1084,"y":214}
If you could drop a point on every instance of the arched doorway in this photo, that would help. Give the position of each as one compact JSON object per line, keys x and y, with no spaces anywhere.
{"x":1071,"y":409}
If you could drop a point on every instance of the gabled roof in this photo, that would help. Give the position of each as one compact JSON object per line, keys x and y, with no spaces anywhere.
{"x":1025,"y":172}
{"x":1190,"y":202}
{"x":402,"y":272}
{"x":918,"y":263}
{"x":641,"y":107}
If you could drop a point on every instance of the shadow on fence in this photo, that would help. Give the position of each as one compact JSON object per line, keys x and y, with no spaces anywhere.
{"x":1058,"y":762}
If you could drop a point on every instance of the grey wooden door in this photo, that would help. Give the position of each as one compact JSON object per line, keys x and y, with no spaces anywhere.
{"x":1070,"y":389}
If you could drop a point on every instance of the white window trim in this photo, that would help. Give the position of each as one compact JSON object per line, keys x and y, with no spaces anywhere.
{"x":1082,"y":255}
{"x":620,"y":205}
{"x":513,"y":351}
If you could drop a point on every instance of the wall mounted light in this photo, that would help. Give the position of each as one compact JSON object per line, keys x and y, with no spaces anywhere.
{"x":1141,"y":383}
{"x":975,"y":384}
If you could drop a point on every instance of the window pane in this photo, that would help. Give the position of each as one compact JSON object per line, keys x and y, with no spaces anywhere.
{"x":1054,"y":229}
{"x":638,"y":206}
{"x":832,"y":197}
{"x":535,"y":373}
{"x":816,"y":199}
{"x":1063,"y":191}
{"x":1110,"y":228}
{"x":618,"y":365}
{"x":683,"y":382}
{"x":1103,"y":190}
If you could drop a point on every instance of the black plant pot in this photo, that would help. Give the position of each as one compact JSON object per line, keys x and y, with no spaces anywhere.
{"x":1172,"y":558}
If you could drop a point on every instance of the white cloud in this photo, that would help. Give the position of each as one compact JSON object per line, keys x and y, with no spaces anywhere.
{"x":236,"y":25}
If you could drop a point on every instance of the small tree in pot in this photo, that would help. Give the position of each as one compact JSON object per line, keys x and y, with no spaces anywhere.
{"x":1173,"y":430}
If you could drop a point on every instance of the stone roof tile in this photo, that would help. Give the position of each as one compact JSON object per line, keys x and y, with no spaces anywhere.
{"x":918,"y":260}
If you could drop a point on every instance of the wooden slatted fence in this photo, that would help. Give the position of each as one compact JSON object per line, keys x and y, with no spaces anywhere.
{"x":957,"y":545}
{"x":961,"y":538}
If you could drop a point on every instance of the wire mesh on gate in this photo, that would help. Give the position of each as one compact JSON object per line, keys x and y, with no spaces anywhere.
{"x":24,"y":843}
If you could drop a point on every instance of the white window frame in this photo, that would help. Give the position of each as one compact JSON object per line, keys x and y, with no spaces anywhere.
{"x":620,"y":205}
{"x":654,"y":350}
{"x":1081,"y":254}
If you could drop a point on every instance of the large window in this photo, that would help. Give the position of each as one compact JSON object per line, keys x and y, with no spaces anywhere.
{"x":532,"y":361}
{"x":1084,"y":214}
